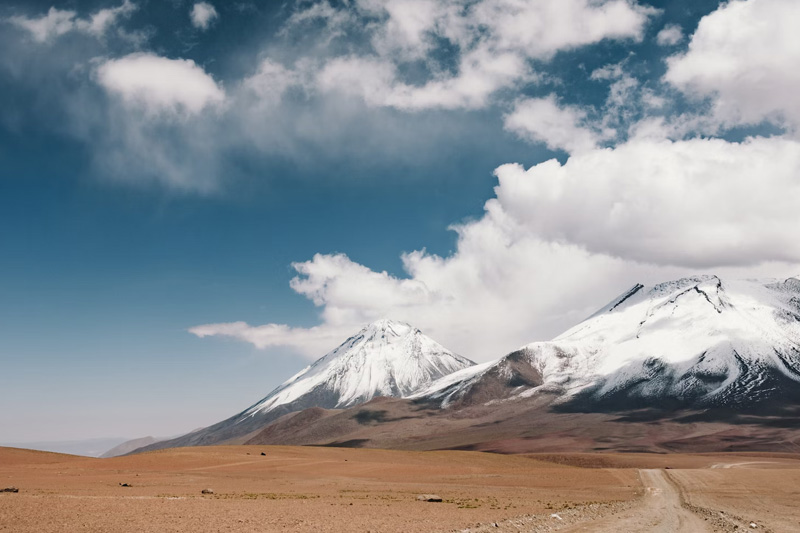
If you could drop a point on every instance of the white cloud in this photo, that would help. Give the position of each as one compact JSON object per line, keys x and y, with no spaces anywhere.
{"x":371,"y":77}
{"x":203,"y":14}
{"x":269,"y":82}
{"x":559,"y":127}
{"x":59,"y":22}
{"x":315,"y":341}
{"x":626,"y":99}
{"x":336,"y":21}
{"x":495,"y":40}
{"x":579,"y":129}
{"x":540,"y":29}
{"x":102,"y":20}
{"x":670,"y":35}
{"x":744,"y":57}
{"x":54,"y":24}
{"x":179,"y":155}
{"x":695,"y":203}
{"x":408,"y":26}
{"x":377,"y":83}
{"x":162,"y":123}
{"x":160,"y":85}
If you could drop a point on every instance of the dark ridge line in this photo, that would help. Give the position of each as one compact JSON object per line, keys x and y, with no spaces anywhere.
{"x":636,"y":288}
{"x":787,"y":365}
{"x":698,"y":290}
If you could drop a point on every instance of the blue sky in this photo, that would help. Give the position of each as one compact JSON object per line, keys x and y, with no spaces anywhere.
{"x":199,"y":198}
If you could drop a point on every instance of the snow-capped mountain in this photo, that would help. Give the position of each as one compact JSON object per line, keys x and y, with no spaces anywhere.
{"x":386,"y":358}
{"x":694,"y":342}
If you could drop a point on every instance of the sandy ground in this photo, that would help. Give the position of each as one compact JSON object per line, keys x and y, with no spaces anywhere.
{"x":349,"y":490}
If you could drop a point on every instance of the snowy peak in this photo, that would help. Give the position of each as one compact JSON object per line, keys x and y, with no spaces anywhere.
{"x":695,"y":341}
{"x":384,"y":327}
{"x":385,"y":358}
{"x":696,"y":338}
{"x":699,"y":304}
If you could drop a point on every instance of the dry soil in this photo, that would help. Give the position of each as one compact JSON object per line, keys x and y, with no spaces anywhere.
{"x":350,"y":490}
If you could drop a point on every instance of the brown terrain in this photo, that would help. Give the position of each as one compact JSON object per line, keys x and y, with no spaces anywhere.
{"x":530,"y":425}
{"x":281,"y":488}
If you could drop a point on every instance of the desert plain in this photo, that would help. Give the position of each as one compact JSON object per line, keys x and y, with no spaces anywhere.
{"x":287,"y":488}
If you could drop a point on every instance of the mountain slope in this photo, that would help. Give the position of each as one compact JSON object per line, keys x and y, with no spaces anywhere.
{"x":385,"y":358}
{"x":694,"y":342}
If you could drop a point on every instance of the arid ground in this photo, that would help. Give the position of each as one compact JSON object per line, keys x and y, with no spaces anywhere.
{"x":273,"y":488}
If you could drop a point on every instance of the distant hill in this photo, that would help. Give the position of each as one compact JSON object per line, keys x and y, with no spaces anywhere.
{"x":129,"y":446}
{"x":87,"y":447}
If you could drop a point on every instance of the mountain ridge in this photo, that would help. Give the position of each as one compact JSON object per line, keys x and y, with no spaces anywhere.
{"x":718,"y":357}
{"x":698,"y":341}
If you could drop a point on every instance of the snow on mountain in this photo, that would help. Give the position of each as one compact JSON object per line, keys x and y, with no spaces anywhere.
{"x":385,"y":358}
{"x":696,"y":341}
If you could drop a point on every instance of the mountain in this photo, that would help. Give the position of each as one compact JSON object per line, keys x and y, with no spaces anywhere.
{"x":697,"y":342}
{"x":385,"y":358}
{"x":697,"y":364}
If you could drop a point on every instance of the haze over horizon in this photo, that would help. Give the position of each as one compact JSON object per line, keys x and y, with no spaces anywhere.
{"x":200,"y":198}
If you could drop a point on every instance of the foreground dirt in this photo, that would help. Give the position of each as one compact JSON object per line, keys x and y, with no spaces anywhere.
{"x":345,"y":490}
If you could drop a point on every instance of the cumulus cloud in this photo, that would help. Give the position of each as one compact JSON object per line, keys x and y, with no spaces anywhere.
{"x":696,"y":203}
{"x":58,"y":22}
{"x":744,"y":57}
{"x":160,"y":85}
{"x":670,"y":35}
{"x":202,"y":15}
{"x":559,"y":127}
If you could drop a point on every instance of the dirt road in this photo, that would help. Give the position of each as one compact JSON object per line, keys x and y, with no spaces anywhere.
{"x":661,"y":510}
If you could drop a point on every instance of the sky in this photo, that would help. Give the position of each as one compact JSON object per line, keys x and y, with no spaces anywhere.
{"x":198,"y":199}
